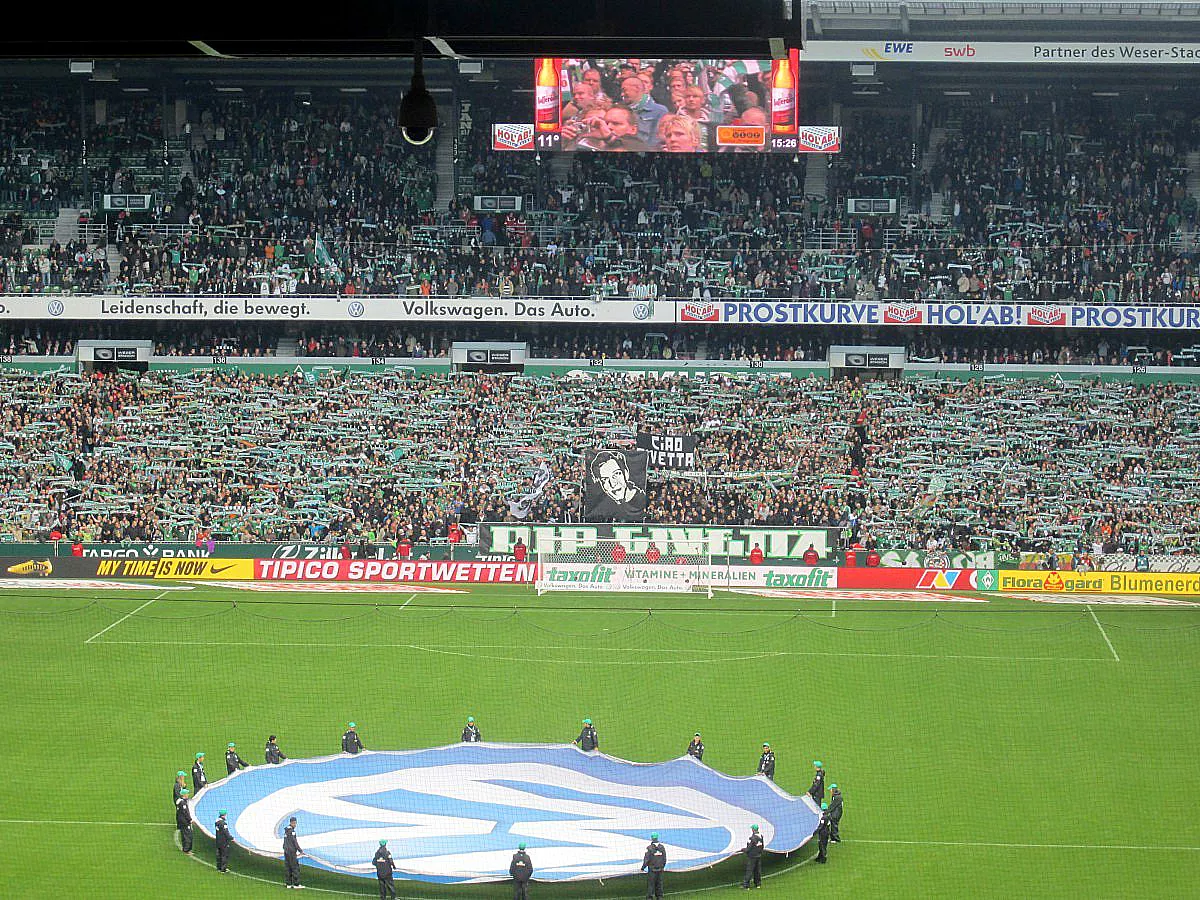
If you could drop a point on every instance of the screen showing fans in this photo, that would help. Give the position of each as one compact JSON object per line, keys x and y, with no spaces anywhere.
{"x":666,"y":106}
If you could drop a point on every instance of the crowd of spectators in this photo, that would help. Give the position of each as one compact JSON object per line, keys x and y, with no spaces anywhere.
{"x":1079,"y":203}
{"x":393,"y":455}
{"x":73,"y":267}
{"x":41,"y":149}
{"x":1047,"y":204}
{"x":281,"y":188}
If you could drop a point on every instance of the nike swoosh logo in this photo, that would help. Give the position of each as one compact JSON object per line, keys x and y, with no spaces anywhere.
{"x":217,"y":571}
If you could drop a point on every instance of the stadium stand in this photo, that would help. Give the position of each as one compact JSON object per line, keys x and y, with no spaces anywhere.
{"x":289,"y":198}
{"x":272,"y":194}
{"x":394,"y":454}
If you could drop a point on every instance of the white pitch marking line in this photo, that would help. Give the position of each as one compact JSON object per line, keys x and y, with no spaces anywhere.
{"x":699,"y":890}
{"x":833,"y":612}
{"x":72,"y":822}
{"x":126,"y":616}
{"x":1167,"y":848}
{"x":448,"y":649}
{"x":1103,"y":633}
{"x":408,"y":601}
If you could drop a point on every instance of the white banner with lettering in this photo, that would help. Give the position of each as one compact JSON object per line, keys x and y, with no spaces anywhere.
{"x":1019,"y":52}
{"x":611,"y":310}
{"x":365,"y":308}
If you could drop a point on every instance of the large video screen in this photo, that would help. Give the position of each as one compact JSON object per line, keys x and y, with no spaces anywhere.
{"x":636,"y":105}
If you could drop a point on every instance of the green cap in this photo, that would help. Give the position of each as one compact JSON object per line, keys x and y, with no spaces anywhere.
{"x":200,"y":755}
{"x":833,"y":787}
{"x":181,"y":774}
{"x":824,"y":806}
{"x":765,"y":744}
{"x":183,"y":792}
{"x":587,"y":721}
{"x":353,"y":724}
{"x":754,"y":828}
{"x":383,"y":843}
{"x":520,"y":846}
{"x":818,"y":764}
{"x":470,"y":719}
{"x":654,"y":836}
{"x":231,"y":745}
{"x":220,"y":814}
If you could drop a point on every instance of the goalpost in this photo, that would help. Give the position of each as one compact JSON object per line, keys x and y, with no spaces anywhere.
{"x":610,"y":565}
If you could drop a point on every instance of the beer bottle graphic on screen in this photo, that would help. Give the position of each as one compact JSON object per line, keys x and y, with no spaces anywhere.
{"x":547,"y":94}
{"x":783,"y":97}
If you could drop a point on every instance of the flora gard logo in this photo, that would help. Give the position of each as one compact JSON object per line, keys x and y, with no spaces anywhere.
{"x":455,"y":814}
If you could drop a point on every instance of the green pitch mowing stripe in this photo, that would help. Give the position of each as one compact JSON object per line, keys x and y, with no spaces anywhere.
{"x":985,"y":750}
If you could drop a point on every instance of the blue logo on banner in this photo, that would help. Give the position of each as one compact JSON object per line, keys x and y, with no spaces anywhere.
{"x":456,"y":814}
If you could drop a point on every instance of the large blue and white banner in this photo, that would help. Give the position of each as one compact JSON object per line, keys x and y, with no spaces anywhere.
{"x":456,"y":814}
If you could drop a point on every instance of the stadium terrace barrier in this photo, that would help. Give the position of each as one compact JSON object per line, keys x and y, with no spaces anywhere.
{"x":942,"y":559}
{"x":594,"y":310}
{"x":494,"y":543}
{"x":777,"y":576}
{"x":227,"y":550}
{"x":678,"y":368}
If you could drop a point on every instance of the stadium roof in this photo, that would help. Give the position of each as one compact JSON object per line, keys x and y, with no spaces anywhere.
{"x":586,"y":27}
{"x":1001,"y":20}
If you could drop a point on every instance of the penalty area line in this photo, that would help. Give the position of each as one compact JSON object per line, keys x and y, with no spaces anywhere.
{"x":124,"y":617}
{"x":450,"y":650}
{"x":699,"y":890}
{"x":1103,"y":633}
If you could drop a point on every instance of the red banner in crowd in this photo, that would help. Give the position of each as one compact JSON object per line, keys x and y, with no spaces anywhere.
{"x":393,"y":570}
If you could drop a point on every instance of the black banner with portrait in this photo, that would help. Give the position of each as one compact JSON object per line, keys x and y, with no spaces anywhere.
{"x":614,"y":484}
{"x":668,"y":451}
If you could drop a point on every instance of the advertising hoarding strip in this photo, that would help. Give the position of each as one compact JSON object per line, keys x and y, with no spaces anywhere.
{"x":585,"y":310}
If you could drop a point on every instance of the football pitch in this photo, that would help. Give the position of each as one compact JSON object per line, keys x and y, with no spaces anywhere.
{"x":1000,"y":748}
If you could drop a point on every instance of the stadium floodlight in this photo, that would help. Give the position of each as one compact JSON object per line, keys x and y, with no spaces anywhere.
{"x":82,"y":66}
{"x":418,"y":110}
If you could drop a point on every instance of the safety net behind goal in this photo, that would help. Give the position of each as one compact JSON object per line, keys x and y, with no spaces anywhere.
{"x":611,"y":565}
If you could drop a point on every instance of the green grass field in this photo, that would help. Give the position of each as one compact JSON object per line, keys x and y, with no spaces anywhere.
{"x":985,"y":750}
